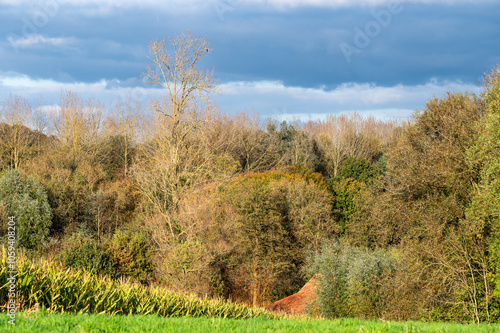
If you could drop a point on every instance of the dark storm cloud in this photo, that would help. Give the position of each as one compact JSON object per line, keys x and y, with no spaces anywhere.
{"x":298,"y":46}
{"x":295,"y":46}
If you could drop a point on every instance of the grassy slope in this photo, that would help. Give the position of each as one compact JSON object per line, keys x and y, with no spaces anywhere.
{"x":102,"y":323}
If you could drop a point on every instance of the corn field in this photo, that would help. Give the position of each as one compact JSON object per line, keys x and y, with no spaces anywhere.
{"x":60,"y":290}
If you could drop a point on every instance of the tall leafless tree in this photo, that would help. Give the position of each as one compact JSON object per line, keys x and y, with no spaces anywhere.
{"x":177,"y":155}
{"x":16,"y":112}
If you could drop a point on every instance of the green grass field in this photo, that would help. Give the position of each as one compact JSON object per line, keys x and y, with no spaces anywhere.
{"x":102,"y":323}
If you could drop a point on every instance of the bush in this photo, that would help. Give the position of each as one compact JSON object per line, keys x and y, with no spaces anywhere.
{"x":82,"y":252}
{"x":351,"y":280}
{"x":358,"y":168}
{"x":346,"y":192}
{"x":70,"y":179}
{"x":185,"y":267}
{"x":271,"y":220}
{"x":27,"y":201}
{"x":132,"y":255}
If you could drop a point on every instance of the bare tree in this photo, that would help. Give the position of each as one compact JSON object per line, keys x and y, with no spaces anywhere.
{"x":176,"y":156}
{"x":254,"y":149}
{"x":79,"y":125}
{"x":127,"y":117}
{"x":41,"y":125}
{"x":16,"y":114}
{"x":188,"y":87}
{"x":350,"y":135}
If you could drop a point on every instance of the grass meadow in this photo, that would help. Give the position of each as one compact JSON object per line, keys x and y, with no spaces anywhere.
{"x":43,"y":322}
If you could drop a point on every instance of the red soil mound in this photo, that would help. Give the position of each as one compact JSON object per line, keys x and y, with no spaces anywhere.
{"x":297,"y":303}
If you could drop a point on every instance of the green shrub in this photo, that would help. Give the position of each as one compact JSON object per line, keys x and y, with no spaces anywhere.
{"x":185,"y":267}
{"x":345,"y":191}
{"x":132,"y":255}
{"x":82,"y":252}
{"x":70,"y":180}
{"x":271,"y":219}
{"x":358,"y":168}
{"x":26,"y":200}
{"x":351,"y":280}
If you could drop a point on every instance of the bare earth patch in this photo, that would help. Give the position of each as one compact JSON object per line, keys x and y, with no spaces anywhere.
{"x":297,"y":303}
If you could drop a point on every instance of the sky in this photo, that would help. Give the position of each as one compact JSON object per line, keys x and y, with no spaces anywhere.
{"x":283,"y":59}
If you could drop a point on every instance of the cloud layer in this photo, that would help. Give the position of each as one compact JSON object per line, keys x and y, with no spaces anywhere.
{"x":198,"y":3}
{"x":293,"y":57}
{"x":268,"y":98}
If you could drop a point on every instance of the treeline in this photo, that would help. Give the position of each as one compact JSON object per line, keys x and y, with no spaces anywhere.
{"x":436,"y":209}
{"x":230,"y":210}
